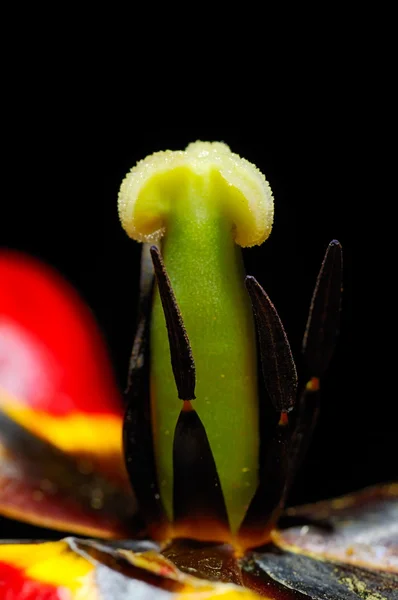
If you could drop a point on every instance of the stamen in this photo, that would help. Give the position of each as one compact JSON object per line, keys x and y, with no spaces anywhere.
{"x":318,"y":345}
{"x":182,"y":361}
{"x":137,"y":428}
{"x":324,"y":316}
{"x":278,"y":366}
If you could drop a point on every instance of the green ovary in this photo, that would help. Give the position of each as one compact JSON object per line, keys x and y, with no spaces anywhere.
{"x":206,"y":271}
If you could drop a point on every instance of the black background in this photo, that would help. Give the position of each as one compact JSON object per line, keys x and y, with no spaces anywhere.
{"x":68,"y":142}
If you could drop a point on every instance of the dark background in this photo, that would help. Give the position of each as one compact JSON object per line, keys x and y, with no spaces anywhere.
{"x":68,"y":144}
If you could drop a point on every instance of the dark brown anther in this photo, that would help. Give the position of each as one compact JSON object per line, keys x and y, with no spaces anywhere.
{"x":140,"y":343}
{"x":324,"y":316}
{"x":182,"y":361}
{"x":280,"y":379}
{"x":278,"y":366}
{"x":137,"y":427}
{"x":319,"y":341}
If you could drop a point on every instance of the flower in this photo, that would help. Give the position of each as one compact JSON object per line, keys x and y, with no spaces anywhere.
{"x":62,"y":463}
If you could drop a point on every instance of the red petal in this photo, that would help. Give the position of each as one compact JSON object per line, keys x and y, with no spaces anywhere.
{"x":52,"y":357}
{"x":86,"y":569}
{"x":46,"y":571}
{"x":57,"y":382}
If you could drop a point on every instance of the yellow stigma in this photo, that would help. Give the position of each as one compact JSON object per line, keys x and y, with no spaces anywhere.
{"x":149,"y":190}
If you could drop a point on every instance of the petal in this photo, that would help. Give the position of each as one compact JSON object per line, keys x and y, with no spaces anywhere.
{"x":370,"y":515}
{"x":75,"y":568}
{"x":343,"y":549}
{"x":49,"y":571}
{"x":358,"y":529}
{"x":42,"y":485}
{"x":320,"y":580}
{"x":57,"y":385}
